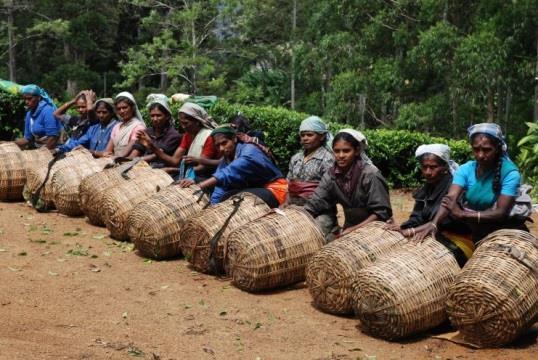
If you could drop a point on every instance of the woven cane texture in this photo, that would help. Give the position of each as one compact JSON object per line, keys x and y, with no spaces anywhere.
{"x":495,"y":297}
{"x":92,"y":187}
{"x":117,"y":202}
{"x":155,"y":223}
{"x":9,"y":147}
{"x":404,"y":292}
{"x":36,"y":175}
{"x":12,"y":176}
{"x":272,"y":251}
{"x":331,"y":272}
{"x":66,"y":182}
{"x":199,"y":230}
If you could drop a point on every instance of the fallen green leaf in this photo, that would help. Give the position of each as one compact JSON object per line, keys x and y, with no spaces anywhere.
{"x":22,"y":253}
{"x":99,"y":236}
{"x":53,"y":273}
{"x":13,"y":269}
{"x":148,"y":261}
{"x":223,"y":312}
{"x":74,"y":233}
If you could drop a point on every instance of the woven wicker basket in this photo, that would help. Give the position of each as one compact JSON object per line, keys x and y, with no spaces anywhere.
{"x":9,"y":147}
{"x":495,"y":297}
{"x":91,"y":188}
{"x":118,"y":202}
{"x":37,"y":174}
{"x":331,"y":272}
{"x":155,"y":223}
{"x":272,"y":251}
{"x":404,"y":292}
{"x":66,"y":181}
{"x":13,"y":168}
{"x":198,"y":231}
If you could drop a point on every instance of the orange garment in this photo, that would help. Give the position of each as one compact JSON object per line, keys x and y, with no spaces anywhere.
{"x":279,"y":188}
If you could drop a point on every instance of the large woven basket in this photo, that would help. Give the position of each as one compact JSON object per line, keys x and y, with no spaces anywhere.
{"x":195,"y":239}
{"x":91,"y":188}
{"x":495,"y":297}
{"x":66,"y":181}
{"x":272,"y":251}
{"x":331,"y":272}
{"x":36,"y":175}
{"x":117,"y":202}
{"x":9,"y":147}
{"x":13,"y":168}
{"x":404,"y":292}
{"x":155,"y":223}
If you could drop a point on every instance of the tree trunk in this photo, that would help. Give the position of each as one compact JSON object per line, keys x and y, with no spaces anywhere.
{"x":536,"y":83}
{"x":491,"y":107}
{"x":12,"y":65}
{"x":293,"y":28}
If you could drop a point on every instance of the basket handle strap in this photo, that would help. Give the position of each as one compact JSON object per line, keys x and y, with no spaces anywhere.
{"x":201,"y":194}
{"x":236,"y":202}
{"x":522,"y":257}
{"x":129,"y":166}
{"x":34,"y":198}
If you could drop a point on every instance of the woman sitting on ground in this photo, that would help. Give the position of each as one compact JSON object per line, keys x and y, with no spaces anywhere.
{"x":308,"y":166}
{"x":124,"y":134}
{"x":161,"y":134}
{"x":437,"y":170}
{"x":245,"y":168}
{"x":196,"y":155}
{"x":97,"y":137}
{"x":77,"y":126}
{"x":483,"y":191}
{"x":41,"y":128}
{"x":353,"y":183}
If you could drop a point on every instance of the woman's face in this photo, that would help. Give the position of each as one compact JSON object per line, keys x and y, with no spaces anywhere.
{"x":485,"y":151}
{"x":188,"y":124}
{"x":432,"y":169}
{"x":225,"y":145}
{"x":158,"y":118}
{"x":31,"y":101}
{"x":103,"y":114}
{"x":344,"y":154}
{"x":311,"y":140}
{"x":124,"y":110}
{"x":81,"y":106}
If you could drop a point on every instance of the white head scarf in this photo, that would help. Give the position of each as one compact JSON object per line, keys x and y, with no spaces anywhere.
{"x":359,"y":136}
{"x":160,"y":99}
{"x":442,"y":151}
{"x":130,"y":96}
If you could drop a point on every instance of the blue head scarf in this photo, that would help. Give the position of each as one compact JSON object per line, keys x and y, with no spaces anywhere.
{"x":315,"y":124}
{"x":34,"y":90}
{"x":490,"y":129}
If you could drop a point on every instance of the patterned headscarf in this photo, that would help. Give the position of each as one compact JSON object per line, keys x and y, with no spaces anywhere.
{"x":315,"y":124}
{"x":488,"y":129}
{"x":442,"y":151}
{"x":198,"y":113}
{"x":225,"y":129}
{"x":130,"y":96}
{"x":160,"y":99}
{"x":34,"y":90}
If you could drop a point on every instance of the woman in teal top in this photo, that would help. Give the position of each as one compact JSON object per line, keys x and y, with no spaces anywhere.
{"x":483,"y":190}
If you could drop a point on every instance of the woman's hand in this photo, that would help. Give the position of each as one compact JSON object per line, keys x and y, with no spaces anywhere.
{"x":191,"y":160}
{"x":145,"y":139}
{"x":422,"y":232}
{"x":392,"y":226}
{"x":185,"y":183}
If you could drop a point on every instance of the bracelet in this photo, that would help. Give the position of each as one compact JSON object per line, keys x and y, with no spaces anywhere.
{"x":434,"y":226}
{"x":478,"y":217}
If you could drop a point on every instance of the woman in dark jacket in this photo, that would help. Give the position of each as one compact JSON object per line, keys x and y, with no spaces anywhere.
{"x":353,"y":183}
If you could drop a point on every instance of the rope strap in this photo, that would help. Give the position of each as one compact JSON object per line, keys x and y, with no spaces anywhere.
{"x":34,"y":197}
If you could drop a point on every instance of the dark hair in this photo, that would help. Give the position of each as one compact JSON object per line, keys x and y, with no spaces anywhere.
{"x":161,"y":109}
{"x":348,"y":138}
{"x":436,"y":158}
{"x":241,"y":122}
{"x":497,"y":175}
{"x":125,"y":100}
{"x":108,"y":107}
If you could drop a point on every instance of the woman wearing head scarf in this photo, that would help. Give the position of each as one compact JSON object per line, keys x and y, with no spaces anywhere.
{"x":124,"y":134}
{"x":483,"y":190}
{"x":196,"y":152}
{"x":245,"y":168}
{"x":77,"y":126}
{"x":353,"y":183}
{"x":161,"y":133}
{"x":244,"y":132}
{"x":41,"y":128}
{"x":97,"y":137}
{"x":308,"y":166}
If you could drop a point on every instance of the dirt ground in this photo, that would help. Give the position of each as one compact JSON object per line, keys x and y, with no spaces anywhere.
{"x":68,"y":291}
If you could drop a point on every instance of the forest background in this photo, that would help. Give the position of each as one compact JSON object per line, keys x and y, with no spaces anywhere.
{"x":429,"y":66}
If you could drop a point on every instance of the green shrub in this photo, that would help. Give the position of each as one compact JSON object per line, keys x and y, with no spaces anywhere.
{"x":11,"y":116}
{"x":528,"y":158}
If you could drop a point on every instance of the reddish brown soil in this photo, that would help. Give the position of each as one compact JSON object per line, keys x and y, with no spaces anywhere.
{"x":69,"y":292}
